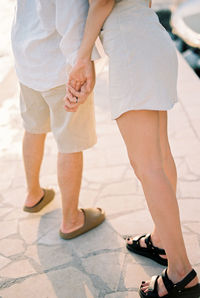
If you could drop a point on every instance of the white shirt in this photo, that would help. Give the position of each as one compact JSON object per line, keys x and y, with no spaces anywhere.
{"x":46,"y":36}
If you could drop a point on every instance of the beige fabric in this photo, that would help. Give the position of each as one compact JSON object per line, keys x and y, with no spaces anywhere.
{"x":44,"y":111}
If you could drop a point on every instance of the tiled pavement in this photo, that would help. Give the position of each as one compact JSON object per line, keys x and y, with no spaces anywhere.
{"x":35,"y":262}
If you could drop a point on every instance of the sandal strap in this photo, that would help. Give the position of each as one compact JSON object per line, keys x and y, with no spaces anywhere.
{"x":170,"y":286}
{"x":153,"y":285}
{"x":184,"y":282}
{"x":151,"y":247}
{"x":137,"y":238}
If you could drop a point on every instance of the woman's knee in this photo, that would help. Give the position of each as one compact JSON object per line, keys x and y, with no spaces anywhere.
{"x":145,"y":170}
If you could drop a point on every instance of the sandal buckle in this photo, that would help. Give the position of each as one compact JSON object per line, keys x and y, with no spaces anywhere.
{"x":177,"y":290}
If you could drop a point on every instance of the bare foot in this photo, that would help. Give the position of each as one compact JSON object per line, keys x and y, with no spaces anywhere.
{"x":74,"y":224}
{"x":161,"y":288}
{"x":33,"y":199}
{"x":155,"y":241}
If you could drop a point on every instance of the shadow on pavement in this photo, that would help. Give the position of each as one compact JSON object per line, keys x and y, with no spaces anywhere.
{"x":88,"y":266}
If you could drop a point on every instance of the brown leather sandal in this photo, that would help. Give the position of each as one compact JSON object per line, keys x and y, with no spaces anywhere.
{"x":48,"y":196}
{"x":93,"y":218}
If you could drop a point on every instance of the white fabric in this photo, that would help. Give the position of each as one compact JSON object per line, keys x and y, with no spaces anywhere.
{"x":142,"y":59}
{"x":46,"y":36}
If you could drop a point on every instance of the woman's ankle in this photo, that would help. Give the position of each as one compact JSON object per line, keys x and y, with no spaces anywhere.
{"x":156,"y":239}
{"x":177,"y":272}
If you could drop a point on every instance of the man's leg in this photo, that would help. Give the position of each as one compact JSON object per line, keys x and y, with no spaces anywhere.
{"x":35,"y":114}
{"x":70,"y":167}
{"x":33,"y":149}
{"x":73,"y":132}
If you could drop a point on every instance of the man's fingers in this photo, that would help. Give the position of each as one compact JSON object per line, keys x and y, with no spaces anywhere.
{"x":78,"y":86}
{"x":73,"y":83}
{"x":89,"y":86}
{"x":74,"y":109}
{"x":80,"y":96}
{"x":71,"y":98}
{"x":70,"y":104}
{"x":71,"y":110}
{"x":76,"y":93}
{"x":73,"y":91}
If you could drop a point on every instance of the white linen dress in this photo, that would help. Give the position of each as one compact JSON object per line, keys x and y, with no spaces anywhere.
{"x":142,"y":59}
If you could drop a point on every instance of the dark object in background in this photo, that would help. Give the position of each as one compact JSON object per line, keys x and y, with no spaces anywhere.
{"x":164,"y":16}
{"x":192,"y":55}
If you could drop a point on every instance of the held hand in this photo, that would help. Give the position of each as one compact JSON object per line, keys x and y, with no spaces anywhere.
{"x":74,"y":98}
{"x":71,"y":102}
{"x":80,"y":84}
{"x":82,"y":73}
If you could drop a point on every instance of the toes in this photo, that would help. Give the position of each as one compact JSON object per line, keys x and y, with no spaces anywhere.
{"x":145,"y":289}
{"x":142,"y":242}
{"x":129,"y":240}
{"x":145,"y":286}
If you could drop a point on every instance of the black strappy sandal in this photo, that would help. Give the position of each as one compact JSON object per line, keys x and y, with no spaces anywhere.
{"x":150,"y":251}
{"x":174,"y":290}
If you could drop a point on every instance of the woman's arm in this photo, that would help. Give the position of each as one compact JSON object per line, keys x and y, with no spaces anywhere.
{"x":82,"y":75}
{"x":97,"y":14}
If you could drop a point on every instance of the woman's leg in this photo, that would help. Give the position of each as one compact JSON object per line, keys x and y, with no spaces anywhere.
{"x":169,"y":169}
{"x":168,"y":164}
{"x":140,"y":131}
{"x":167,"y":158}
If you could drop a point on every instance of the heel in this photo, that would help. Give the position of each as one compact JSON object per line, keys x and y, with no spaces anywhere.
{"x":193,"y":292}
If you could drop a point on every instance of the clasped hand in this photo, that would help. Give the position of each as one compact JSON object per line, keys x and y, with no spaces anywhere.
{"x":80,"y":84}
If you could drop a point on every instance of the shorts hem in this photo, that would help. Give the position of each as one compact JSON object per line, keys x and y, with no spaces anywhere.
{"x":36,"y":131}
{"x":77,"y":148}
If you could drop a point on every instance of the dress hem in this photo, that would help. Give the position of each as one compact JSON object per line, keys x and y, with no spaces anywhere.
{"x":125,"y":110}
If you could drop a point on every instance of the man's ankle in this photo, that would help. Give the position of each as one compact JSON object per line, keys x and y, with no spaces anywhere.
{"x":72,"y":219}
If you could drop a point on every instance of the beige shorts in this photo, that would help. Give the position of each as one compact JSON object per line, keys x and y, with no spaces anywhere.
{"x":44,"y":111}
